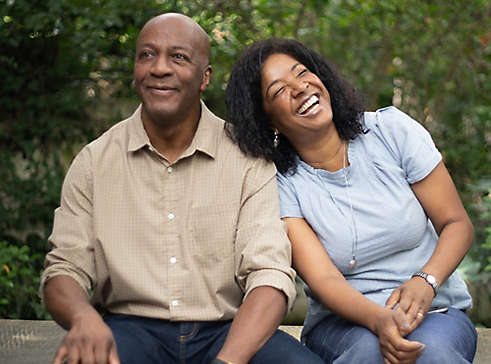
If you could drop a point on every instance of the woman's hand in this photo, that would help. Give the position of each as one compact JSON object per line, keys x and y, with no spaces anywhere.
{"x":413,"y":298}
{"x":394,"y":348}
{"x":314,"y":265}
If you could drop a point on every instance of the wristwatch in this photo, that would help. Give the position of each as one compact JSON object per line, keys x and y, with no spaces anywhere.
{"x":431,"y":280}
{"x":218,"y":361}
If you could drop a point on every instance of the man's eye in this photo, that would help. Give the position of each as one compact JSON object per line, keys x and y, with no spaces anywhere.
{"x":145,"y":54}
{"x":180,"y":56}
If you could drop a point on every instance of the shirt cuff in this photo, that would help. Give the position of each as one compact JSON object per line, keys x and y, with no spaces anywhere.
{"x":52,"y":272}
{"x":276,"y":279}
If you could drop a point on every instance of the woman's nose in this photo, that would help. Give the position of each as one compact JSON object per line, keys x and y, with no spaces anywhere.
{"x":299,"y":88}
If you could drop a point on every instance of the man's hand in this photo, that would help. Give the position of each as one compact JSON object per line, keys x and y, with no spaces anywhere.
{"x":394,"y":348}
{"x":89,"y":341}
{"x":255,"y":322}
{"x":413,"y":298}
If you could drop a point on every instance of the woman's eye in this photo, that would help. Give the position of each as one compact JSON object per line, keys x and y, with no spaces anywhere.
{"x":302,"y":72}
{"x":278,"y":91}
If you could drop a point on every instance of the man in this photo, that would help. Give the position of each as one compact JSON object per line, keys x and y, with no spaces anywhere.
{"x":173,"y":230}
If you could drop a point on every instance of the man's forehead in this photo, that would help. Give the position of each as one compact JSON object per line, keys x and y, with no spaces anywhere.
{"x":179,"y":36}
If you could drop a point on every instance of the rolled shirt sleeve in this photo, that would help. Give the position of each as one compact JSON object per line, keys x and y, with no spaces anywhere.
{"x":72,"y":252}
{"x":263,"y":251}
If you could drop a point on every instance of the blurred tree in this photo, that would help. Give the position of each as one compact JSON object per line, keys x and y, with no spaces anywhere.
{"x":66,"y":71}
{"x":58,"y":58}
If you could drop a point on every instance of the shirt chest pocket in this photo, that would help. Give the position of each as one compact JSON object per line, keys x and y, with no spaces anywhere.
{"x":212,"y":229}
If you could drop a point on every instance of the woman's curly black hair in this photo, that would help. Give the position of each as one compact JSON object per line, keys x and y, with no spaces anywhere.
{"x":247,"y":123}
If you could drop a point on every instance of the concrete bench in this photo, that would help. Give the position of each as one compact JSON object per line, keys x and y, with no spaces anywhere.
{"x":35,"y":342}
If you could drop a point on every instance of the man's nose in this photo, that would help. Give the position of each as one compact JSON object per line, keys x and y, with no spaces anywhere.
{"x":161,"y":67}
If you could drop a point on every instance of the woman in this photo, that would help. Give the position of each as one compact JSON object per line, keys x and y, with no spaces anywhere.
{"x":376,"y":225}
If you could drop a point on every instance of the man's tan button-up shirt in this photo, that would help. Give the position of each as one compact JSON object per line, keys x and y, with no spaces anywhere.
{"x":181,"y":241}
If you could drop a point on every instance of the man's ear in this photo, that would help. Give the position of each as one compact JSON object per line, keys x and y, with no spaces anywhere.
{"x":206,"y":78}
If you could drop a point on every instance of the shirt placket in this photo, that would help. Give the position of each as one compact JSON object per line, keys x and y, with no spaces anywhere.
{"x":171,"y":190}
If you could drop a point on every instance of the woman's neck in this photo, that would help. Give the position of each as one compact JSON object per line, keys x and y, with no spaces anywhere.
{"x":329,"y":153}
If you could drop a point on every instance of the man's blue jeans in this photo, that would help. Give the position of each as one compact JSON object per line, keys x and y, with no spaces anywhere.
{"x":448,"y":337}
{"x":152,"y":341}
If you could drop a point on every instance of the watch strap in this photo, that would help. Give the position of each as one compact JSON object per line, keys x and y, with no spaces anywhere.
{"x":431,"y":280}
{"x":219,"y":361}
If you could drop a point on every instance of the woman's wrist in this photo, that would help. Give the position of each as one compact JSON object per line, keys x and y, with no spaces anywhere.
{"x":372,"y":317}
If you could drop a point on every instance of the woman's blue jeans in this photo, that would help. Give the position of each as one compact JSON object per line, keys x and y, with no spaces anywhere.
{"x":448,"y":337}
{"x":151,"y":341}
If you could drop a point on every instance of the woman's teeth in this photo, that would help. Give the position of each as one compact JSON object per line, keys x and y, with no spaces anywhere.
{"x":307,"y":104}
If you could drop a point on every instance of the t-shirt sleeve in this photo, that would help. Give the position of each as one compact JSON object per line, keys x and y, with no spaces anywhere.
{"x":408,"y":142}
{"x":289,"y":205}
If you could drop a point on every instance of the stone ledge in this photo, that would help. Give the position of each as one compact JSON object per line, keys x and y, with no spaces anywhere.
{"x":35,"y":342}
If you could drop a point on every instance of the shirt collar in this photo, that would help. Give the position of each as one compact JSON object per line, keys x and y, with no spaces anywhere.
{"x":205,"y":139}
{"x":138,"y":137}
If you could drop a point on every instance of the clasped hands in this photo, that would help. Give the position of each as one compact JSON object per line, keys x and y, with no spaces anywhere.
{"x":404,"y":311}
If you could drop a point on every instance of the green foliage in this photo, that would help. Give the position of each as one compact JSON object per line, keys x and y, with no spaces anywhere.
{"x":487,"y":229}
{"x":487,"y":245}
{"x":66,"y":71}
{"x":51,"y":70}
{"x":19,"y":279}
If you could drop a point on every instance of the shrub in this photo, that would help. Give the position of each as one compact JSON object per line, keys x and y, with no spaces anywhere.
{"x":19,"y":279}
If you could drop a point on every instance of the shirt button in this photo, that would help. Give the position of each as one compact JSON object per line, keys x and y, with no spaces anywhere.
{"x":173,"y":260}
{"x":174,"y":303}
{"x":171,"y":216}
{"x":169,"y":169}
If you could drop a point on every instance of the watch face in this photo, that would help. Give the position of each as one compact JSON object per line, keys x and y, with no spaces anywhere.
{"x":431,"y":279}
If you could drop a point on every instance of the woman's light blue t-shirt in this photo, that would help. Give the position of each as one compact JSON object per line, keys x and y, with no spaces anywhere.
{"x":395,"y":237}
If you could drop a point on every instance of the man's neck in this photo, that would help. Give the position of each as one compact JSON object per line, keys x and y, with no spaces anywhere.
{"x":171,"y":137}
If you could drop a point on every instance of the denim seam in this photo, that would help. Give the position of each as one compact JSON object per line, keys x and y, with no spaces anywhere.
{"x":191,"y":334}
{"x":182,"y":342}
